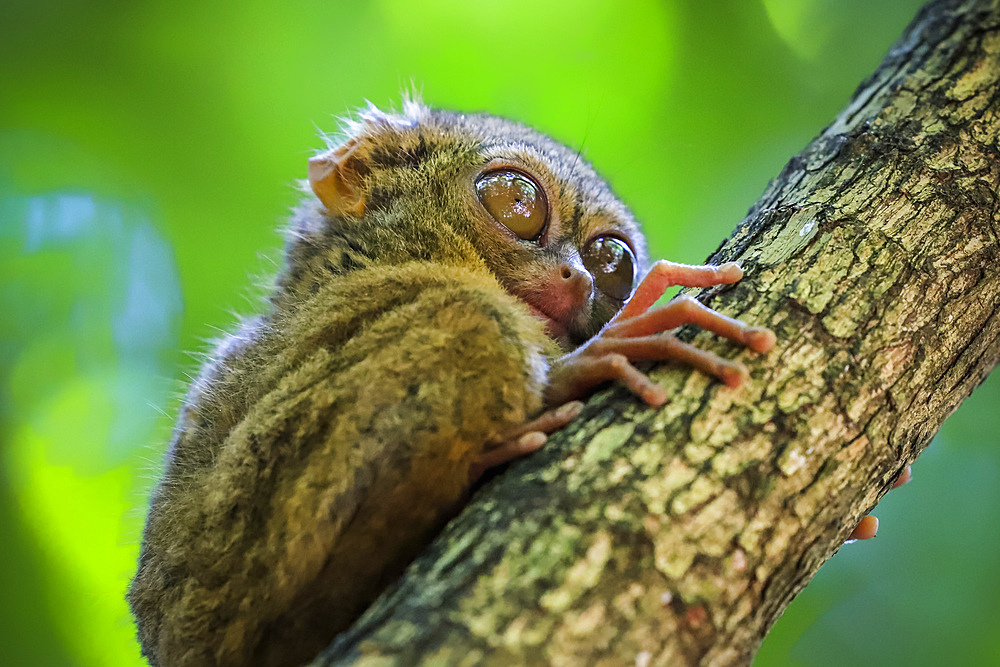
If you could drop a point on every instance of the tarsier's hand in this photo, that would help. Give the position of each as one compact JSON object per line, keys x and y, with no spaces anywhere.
{"x":638,"y":333}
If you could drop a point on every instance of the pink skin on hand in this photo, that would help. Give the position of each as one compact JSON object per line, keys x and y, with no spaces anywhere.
{"x":524,"y":438}
{"x":639,"y":333}
{"x":636,"y":333}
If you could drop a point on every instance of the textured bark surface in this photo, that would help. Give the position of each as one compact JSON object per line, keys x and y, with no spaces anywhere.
{"x":679,"y":535}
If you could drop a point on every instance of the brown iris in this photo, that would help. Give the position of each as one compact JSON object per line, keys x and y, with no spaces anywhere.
{"x":515,"y":201}
{"x":611,"y":262}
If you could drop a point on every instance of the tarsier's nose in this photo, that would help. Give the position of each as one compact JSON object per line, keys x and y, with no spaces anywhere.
{"x":576,"y":285}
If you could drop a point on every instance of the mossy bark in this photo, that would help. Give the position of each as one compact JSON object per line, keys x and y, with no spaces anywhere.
{"x":678,"y":535}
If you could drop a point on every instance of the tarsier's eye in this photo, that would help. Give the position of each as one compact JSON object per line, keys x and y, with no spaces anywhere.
{"x":515,"y":201}
{"x":611,"y":262}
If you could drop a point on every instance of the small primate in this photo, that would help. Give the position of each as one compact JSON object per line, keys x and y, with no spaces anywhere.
{"x":453,"y":283}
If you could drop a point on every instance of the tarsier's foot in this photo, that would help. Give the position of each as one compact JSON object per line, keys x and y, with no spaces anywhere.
{"x":524,"y":438}
{"x":639,"y":333}
{"x":868,"y":526}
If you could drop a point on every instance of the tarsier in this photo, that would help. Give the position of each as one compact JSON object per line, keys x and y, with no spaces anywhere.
{"x":452,"y":284}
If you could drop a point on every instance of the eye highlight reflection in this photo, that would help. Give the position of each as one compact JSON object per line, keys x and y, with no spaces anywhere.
{"x":611,"y":262}
{"x":515,"y":201}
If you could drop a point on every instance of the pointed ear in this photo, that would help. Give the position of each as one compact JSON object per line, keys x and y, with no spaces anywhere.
{"x":336,"y":178}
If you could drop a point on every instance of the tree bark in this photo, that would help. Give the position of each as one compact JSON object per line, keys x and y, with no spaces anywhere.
{"x":679,"y":535}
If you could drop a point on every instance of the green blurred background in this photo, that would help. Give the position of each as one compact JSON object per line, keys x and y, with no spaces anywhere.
{"x":147,"y":155}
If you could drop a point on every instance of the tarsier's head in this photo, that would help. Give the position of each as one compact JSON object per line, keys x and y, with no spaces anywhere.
{"x":427,"y":184}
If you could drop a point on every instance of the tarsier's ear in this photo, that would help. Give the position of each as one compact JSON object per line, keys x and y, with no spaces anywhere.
{"x":336,"y":178}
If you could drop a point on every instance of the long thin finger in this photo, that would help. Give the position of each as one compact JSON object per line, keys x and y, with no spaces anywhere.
{"x":618,"y":367}
{"x":547,"y":422}
{"x":662,"y":348}
{"x":650,"y":288}
{"x":508,"y":451}
{"x":664,"y":275}
{"x":686,"y":310}
{"x":703,"y":275}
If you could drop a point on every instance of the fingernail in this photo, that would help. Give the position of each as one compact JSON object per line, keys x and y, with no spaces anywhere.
{"x":570,"y":409}
{"x":656,"y":395}
{"x":531,"y":440}
{"x":733,"y":376}
{"x":760,"y":339}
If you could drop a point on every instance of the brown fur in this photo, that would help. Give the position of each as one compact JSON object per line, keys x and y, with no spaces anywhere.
{"x":328,"y":438}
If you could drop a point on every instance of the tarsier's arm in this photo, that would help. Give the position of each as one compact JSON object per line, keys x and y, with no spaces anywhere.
{"x":338,"y":474}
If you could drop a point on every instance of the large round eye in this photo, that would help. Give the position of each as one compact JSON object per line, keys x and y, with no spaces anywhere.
{"x":611,"y":262}
{"x":516,"y":201}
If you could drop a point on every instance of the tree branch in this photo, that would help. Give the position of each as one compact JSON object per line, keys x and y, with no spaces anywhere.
{"x":680,"y":535}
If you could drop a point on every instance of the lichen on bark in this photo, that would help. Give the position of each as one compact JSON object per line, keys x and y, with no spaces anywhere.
{"x":679,"y":535}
